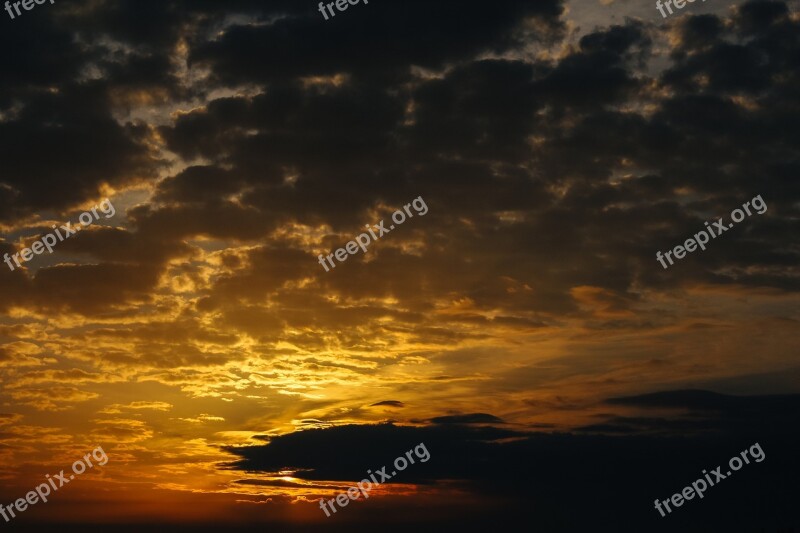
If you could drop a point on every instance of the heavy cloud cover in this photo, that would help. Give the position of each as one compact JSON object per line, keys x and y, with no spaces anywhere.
{"x":589,"y":153}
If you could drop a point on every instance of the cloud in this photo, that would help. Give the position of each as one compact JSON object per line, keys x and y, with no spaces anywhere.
{"x":9,"y":418}
{"x":388,"y":403}
{"x":554,"y":468}
{"x":472,"y":418}
{"x":203,"y":418}
{"x":117,"y":408}
{"x":56,"y":398}
{"x":443,"y":34}
{"x":122,"y":430}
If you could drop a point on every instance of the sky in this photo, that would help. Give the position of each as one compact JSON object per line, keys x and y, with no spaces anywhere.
{"x":524,"y":325}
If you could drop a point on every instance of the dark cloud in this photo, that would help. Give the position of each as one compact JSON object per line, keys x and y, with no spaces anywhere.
{"x":717,"y":405}
{"x":388,"y":403}
{"x":199,"y":184}
{"x":365,"y":37}
{"x":504,"y":133}
{"x":78,"y":147}
{"x":614,"y":478}
{"x":472,"y":418}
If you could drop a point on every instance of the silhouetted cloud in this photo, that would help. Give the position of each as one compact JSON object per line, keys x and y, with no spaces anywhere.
{"x":472,"y":418}
{"x":614,"y":478}
{"x":388,"y":403}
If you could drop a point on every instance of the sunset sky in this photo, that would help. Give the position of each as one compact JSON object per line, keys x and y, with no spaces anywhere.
{"x":522,"y":328}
